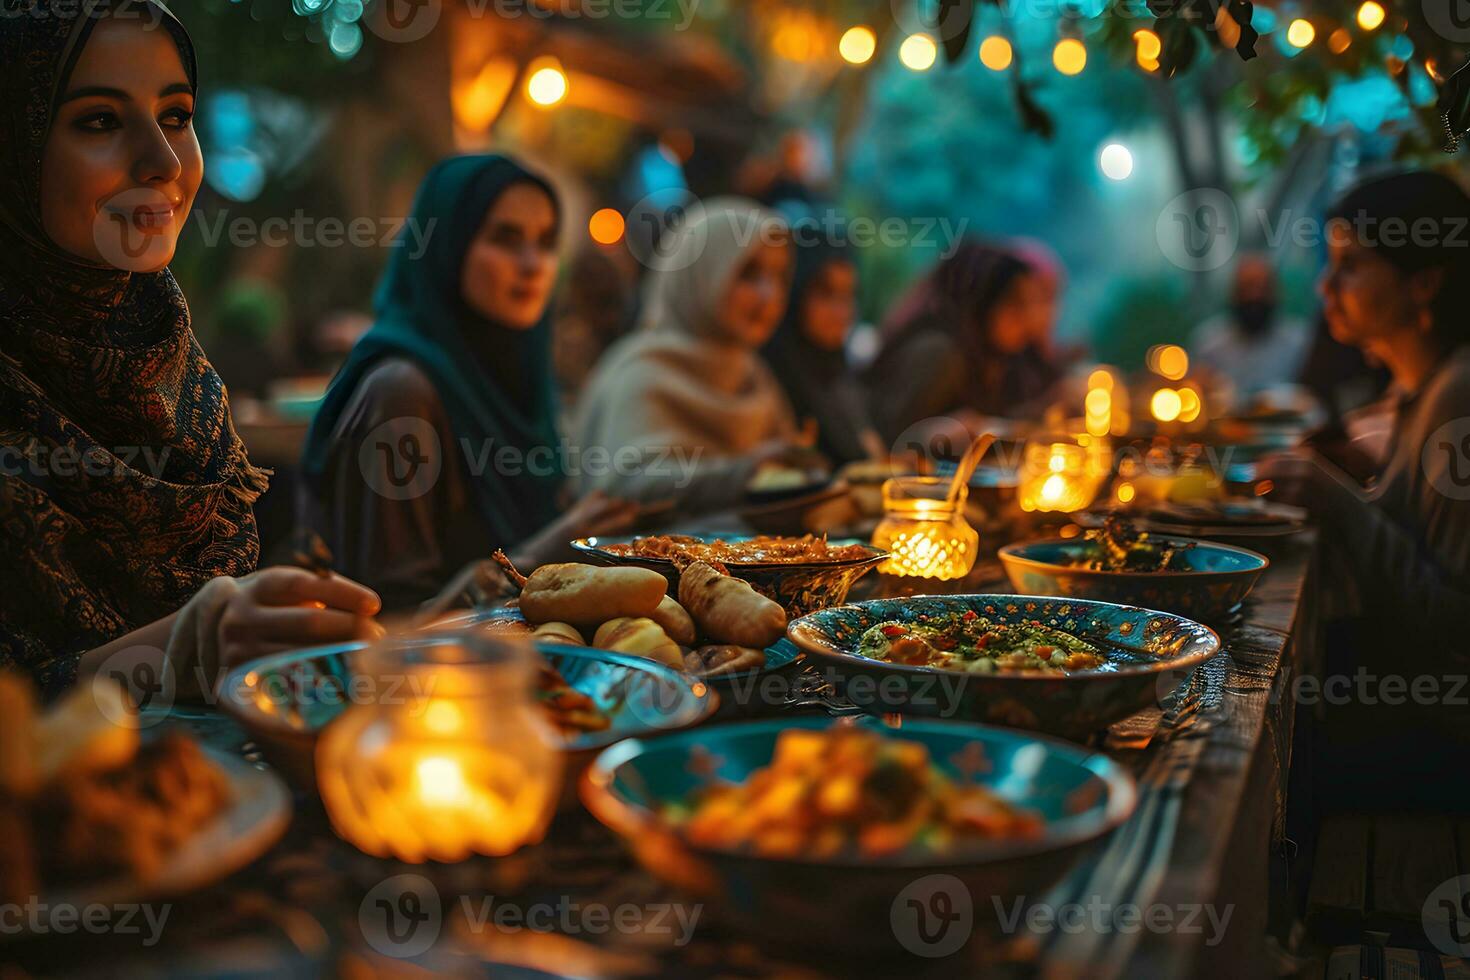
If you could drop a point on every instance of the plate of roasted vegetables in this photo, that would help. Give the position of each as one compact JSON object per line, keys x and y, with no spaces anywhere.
{"x":591,"y":697}
{"x":1121,"y":562}
{"x":95,"y":811}
{"x":807,"y":831}
{"x":1069,"y":667}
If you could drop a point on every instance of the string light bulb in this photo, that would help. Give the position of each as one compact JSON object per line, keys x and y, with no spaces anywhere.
{"x":1301,"y":33}
{"x":1069,"y":56}
{"x":858,"y":45}
{"x":918,"y":52}
{"x":1371,"y":15}
{"x":996,"y":53}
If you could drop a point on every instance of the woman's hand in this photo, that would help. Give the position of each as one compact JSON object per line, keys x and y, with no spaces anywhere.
{"x":231,"y":621}
{"x":1305,"y":478}
{"x":594,"y":514}
{"x":282,"y":608}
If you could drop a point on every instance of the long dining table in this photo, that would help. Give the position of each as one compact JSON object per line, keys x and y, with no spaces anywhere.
{"x":1181,"y":889}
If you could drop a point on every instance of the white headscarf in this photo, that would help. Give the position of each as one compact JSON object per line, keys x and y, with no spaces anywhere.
{"x":680,"y":380}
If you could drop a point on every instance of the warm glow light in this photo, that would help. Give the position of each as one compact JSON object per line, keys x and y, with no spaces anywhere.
{"x":1069,"y":56}
{"x":1149,"y":45}
{"x":606,"y":227}
{"x":918,"y":52}
{"x":443,"y":718}
{"x":1166,"y":405}
{"x":1339,"y":41}
{"x":1125,"y":493}
{"x":924,"y":537}
{"x":858,"y":45}
{"x":1100,"y":379}
{"x":1189,"y":405}
{"x":996,"y":53}
{"x":1371,"y":15}
{"x":547,"y":86}
{"x":439,"y":779}
{"x":1301,"y":33}
{"x":1173,"y":362}
{"x":1053,"y":488}
{"x":1116,"y":162}
{"x":1099,"y":402}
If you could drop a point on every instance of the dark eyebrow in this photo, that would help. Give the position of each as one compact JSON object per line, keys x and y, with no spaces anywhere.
{"x":102,"y":91}
{"x":87,"y":91}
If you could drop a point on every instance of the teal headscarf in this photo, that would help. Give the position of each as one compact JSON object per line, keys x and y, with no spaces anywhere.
{"x":495,"y":381}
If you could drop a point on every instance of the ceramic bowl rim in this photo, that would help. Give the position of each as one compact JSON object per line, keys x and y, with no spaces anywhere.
{"x":808,"y":636}
{"x":876,"y":555}
{"x":1012,"y":554}
{"x":704,"y":698}
{"x":628,"y":819}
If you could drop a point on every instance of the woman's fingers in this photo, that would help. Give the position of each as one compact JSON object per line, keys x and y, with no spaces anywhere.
{"x":299,"y":625}
{"x":284,"y":586}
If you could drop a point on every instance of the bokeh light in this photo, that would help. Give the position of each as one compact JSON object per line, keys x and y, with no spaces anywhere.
{"x":1069,"y":56}
{"x":547,"y":86}
{"x":607,"y":226}
{"x":858,"y":45}
{"x":1301,"y":33}
{"x":918,"y":52}
{"x":1116,"y":162}
{"x":1166,"y":405}
{"x":1371,"y":15}
{"x":996,"y":53}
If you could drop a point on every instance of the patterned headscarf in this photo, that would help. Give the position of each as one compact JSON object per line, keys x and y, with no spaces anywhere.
{"x":123,"y":486}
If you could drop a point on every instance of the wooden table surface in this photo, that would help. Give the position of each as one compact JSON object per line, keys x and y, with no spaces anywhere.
{"x":1212,"y":798}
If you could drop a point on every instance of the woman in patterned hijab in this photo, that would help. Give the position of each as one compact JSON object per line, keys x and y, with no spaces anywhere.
{"x":124,"y":490}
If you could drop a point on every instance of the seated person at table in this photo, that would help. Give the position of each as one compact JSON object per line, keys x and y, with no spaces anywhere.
{"x":1399,"y":555}
{"x":685,"y":404}
{"x":808,"y":353}
{"x":969,"y":341}
{"x":437,"y":440}
{"x":1254,"y":345}
{"x":125,"y":495}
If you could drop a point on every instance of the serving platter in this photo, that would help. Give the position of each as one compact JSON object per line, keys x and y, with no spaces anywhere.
{"x":800,"y":587}
{"x":1148,"y":655}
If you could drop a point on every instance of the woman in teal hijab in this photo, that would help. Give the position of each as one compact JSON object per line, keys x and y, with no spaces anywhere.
{"x":437,"y":441}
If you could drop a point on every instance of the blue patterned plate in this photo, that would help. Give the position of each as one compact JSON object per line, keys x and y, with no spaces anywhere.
{"x":1148,"y":653}
{"x":858,"y":902}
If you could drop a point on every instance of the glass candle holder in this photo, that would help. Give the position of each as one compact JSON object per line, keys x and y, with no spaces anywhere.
{"x":451,"y":758}
{"x":924,"y":536}
{"x":1063,"y":474}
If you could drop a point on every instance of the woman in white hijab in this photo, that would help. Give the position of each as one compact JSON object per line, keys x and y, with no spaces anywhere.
{"x":685,"y":407}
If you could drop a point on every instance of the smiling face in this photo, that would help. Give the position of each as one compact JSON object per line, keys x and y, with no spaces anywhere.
{"x":755,"y":299}
{"x":510,"y":267}
{"x":121,"y":163}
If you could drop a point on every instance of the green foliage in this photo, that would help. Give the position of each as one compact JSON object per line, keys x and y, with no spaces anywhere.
{"x":1139,"y":312}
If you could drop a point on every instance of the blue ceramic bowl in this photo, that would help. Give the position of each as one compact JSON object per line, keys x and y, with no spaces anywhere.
{"x":1148,"y":655}
{"x":286,"y":700}
{"x":800,"y":587}
{"x":854,"y":902}
{"x":1219,"y":577}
